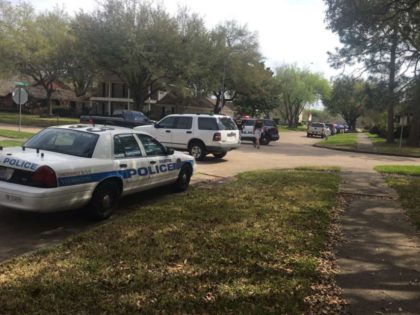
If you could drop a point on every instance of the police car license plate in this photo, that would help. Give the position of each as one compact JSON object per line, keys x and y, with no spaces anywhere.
{"x":6,"y":173}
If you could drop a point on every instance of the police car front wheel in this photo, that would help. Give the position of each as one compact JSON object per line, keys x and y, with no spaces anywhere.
{"x":104,"y":200}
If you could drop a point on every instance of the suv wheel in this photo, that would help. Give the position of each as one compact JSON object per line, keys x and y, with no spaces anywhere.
{"x":219,"y":155}
{"x":197,"y":150}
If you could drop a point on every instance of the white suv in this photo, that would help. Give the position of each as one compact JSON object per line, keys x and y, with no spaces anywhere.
{"x":200,"y":134}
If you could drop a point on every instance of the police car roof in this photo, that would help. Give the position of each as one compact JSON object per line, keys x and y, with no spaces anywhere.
{"x":98,"y":129}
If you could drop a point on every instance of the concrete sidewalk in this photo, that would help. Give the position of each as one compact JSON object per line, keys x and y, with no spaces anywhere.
{"x":364,"y":144}
{"x":379,"y":258}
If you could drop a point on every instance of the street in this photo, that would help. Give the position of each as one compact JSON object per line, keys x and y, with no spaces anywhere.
{"x":24,"y":232}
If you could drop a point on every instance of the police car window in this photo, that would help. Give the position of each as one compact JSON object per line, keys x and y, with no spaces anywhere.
{"x":151,"y":145}
{"x":72,"y":142}
{"x":207,"y":123}
{"x":126,"y":146}
{"x":167,"y":123}
{"x":184,"y":123}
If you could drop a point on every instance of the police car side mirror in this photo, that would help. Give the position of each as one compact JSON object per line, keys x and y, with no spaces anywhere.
{"x":170,"y":151}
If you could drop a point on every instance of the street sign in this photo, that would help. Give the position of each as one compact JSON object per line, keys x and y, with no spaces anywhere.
{"x":20,"y":96}
{"x":21,"y":84}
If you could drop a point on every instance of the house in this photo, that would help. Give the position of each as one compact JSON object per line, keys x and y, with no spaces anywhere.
{"x":62,"y":97}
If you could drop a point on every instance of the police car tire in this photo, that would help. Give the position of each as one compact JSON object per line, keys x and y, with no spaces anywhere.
{"x":183,"y":180}
{"x":104,"y":200}
{"x":219,"y":155}
{"x":197,"y":147}
{"x":264,"y":140}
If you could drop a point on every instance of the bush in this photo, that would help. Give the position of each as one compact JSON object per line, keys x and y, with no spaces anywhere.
{"x":62,"y":112}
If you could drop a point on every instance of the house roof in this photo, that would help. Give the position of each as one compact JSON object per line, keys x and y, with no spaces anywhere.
{"x":62,"y":92}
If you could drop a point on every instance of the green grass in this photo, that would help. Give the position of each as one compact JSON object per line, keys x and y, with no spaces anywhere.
{"x":12,"y":143}
{"x":408,"y":190}
{"x":35,"y":120}
{"x":411,"y":170}
{"x":249,"y":246}
{"x":341,"y":141}
{"x":287,"y":129}
{"x":15,"y":134}
{"x":319,"y":168}
{"x":381,"y":146}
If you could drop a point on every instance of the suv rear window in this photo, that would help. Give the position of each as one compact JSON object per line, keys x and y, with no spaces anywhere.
{"x":207,"y":123}
{"x":64,"y":141}
{"x":317,"y":125}
{"x":227,"y":124}
{"x":250,"y":122}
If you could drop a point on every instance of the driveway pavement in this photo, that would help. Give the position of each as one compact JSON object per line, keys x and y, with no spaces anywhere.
{"x":24,"y":232}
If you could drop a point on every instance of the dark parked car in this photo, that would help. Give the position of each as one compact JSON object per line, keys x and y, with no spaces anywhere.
{"x":270,"y":131}
{"x":123,"y":118}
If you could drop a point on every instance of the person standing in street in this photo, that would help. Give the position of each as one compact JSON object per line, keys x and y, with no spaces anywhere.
{"x":258,"y":126}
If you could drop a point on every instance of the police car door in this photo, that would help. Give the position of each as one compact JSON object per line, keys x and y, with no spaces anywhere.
{"x":131,"y":161}
{"x":162,"y":167}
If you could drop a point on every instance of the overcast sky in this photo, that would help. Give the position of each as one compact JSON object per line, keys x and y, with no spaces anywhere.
{"x":290,"y":31}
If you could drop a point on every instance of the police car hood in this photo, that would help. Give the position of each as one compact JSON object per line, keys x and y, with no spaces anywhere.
{"x":30,"y":160}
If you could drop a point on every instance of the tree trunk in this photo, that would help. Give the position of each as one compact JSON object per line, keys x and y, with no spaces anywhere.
{"x":391,"y":89}
{"x":48,"y":101}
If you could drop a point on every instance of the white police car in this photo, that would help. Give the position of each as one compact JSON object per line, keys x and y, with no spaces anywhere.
{"x":67,"y":167}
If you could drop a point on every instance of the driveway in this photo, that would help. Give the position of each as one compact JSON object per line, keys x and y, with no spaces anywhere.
{"x":24,"y":232}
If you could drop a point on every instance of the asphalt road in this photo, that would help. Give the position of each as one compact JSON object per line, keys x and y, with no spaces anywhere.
{"x":24,"y":232}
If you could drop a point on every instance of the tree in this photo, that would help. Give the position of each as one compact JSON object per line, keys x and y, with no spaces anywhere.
{"x":234,"y":61}
{"x":262,"y":97}
{"x":348,"y":98}
{"x":136,"y":41}
{"x":372,"y":35}
{"x":298,"y":88}
{"x":34,"y":45}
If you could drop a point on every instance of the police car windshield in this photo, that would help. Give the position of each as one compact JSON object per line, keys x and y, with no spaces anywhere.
{"x":227,"y":123}
{"x":64,"y":141}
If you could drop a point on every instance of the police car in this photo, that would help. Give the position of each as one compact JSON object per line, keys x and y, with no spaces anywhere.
{"x":71,"y":166}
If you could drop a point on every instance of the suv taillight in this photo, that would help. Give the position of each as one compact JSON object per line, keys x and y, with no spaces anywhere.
{"x":217,"y":136}
{"x":44,"y":177}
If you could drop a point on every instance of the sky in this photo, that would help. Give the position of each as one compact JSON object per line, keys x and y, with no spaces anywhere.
{"x":289,"y":31}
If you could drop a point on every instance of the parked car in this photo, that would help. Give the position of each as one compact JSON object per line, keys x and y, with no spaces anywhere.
{"x":270,"y":131}
{"x":342,"y":128}
{"x":67,"y":167}
{"x":318,"y":129}
{"x":122,"y":118}
{"x":200,"y":134}
{"x":333,"y":128}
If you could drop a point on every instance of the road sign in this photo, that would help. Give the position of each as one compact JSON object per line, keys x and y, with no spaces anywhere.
{"x":21,"y":84}
{"x":20,"y":96}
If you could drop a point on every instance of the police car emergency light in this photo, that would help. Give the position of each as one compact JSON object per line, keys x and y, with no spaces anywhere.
{"x":68,"y":167}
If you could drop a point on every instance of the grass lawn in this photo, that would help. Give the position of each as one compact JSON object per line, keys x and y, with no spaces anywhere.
{"x":341,"y":141}
{"x":16,"y":138}
{"x":381,"y":146}
{"x":407,"y":187}
{"x":12,"y":143}
{"x":35,"y":120}
{"x":15,"y":134}
{"x":245,"y":247}
{"x":287,"y":129}
{"x":411,"y":170}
